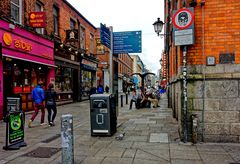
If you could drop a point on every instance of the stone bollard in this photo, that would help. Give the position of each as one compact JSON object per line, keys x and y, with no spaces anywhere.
{"x":67,"y":139}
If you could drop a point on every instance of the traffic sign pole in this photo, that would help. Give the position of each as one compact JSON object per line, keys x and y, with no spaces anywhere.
{"x":111,"y":61}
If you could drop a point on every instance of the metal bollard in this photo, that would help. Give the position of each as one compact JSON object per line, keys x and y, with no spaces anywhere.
{"x":121,"y":100}
{"x":67,"y":139}
{"x":126,"y":98}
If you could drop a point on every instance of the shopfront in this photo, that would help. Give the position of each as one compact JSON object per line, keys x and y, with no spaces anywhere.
{"x":26,"y":59}
{"x":67,"y":80}
{"x":88,"y":78}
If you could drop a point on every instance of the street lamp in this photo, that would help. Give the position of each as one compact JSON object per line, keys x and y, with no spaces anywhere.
{"x":158,"y":25}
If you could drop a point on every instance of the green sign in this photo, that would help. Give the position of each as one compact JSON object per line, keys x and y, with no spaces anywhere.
{"x":16,"y":128}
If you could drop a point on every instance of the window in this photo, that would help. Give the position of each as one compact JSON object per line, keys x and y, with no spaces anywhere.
{"x":72,"y":24}
{"x":82,"y":37}
{"x":55,"y":19}
{"x":16,"y":10}
{"x":91,"y":43}
{"x":39,"y":7}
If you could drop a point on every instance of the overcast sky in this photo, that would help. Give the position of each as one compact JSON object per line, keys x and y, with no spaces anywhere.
{"x":128,"y":15}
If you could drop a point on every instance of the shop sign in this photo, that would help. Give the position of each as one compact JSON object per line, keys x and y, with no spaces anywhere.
{"x":72,"y":35}
{"x":89,"y":64}
{"x":18,"y":43}
{"x":37,"y":19}
{"x":100,"y":48}
{"x":14,"y":124}
{"x":12,"y":41}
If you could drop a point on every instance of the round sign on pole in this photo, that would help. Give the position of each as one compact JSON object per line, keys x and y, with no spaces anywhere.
{"x":183,"y":18}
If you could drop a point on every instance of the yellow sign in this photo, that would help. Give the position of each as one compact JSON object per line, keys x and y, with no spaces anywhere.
{"x":7,"y":38}
{"x":18,"y":43}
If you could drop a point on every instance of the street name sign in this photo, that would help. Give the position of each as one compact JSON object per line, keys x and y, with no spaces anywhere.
{"x":105,"y":37}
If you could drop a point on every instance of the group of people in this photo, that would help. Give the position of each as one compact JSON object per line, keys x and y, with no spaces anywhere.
{"x":145,"y":98}
{"x":38,"y":97}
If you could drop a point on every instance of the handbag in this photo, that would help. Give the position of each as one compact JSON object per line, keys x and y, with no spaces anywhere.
{"x":50,"y":102}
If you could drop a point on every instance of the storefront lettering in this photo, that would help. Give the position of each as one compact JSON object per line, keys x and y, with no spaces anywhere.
{"x":20,"y":44}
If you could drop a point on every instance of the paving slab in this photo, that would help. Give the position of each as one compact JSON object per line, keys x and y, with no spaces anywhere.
{"x":159,"y":137}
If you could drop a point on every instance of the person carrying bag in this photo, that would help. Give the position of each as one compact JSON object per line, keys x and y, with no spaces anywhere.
{"x":51,"y":104}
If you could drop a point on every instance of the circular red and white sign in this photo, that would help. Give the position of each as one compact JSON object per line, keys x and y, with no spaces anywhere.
{"x":183,"y":18}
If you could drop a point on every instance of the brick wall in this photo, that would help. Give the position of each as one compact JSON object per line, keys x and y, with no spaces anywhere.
{"x":218,"y":25}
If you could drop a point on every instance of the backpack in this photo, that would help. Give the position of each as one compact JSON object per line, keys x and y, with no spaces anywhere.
{"x":100,"y":89}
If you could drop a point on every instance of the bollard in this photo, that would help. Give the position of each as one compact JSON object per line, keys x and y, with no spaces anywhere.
{"x":67,"y":139}
{"x":126,"y":98}
{"x":121,"y":100}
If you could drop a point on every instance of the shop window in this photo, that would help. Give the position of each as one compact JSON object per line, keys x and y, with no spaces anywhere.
{"x":63,"y":79}
{"x":17,"y":79}
{"x":16,"y":10}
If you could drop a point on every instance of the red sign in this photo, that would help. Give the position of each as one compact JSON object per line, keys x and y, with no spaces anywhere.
{"x":37,"y":19}
{"x":183,"y":18}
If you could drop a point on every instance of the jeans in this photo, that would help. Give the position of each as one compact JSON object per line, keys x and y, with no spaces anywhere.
{"x":36,"y":107}
{"x":51,"y":116}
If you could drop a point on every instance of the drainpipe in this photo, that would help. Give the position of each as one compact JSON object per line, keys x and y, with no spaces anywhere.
{"x":203,"y":69}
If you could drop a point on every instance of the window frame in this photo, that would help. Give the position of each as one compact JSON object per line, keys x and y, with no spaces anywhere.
{"x":19,"y":6}
{"x":39,"y":4}
{"x":56,"y":20}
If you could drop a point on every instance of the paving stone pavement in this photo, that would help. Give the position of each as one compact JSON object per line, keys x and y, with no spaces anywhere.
{"x":151,"y":137}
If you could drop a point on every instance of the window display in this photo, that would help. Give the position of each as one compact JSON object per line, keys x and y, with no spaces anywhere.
{"x":63,"y":81}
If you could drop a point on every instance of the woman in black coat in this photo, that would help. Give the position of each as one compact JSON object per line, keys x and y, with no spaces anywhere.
{"x":50,"y":98}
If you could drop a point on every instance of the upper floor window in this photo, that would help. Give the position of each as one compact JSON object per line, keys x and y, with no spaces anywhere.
{"x":39,"y":7}
{"x":72,"y":24}
{"x":55,"y":20}
{"x":82,"y":37}
{"x":91,"y":43}
{"x":16,"y":10}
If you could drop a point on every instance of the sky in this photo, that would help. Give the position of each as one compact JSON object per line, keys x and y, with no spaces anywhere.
{"x":128,"y":15}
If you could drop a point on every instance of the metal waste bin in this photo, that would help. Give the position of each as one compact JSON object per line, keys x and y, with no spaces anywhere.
{"x":103,"y":116}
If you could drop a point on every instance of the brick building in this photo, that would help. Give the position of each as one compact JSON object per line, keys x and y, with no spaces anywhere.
{"x":213,"y":79}
{"x":125,"y":69}
{"x":61,"y":49}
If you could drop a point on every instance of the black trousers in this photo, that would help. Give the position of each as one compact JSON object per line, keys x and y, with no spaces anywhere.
{"x":131,"y":102}
{"x":137,"y":103}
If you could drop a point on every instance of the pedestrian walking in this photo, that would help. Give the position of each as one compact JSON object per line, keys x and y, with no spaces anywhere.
{"x":38,"y":98}
{"x":51,"y":96}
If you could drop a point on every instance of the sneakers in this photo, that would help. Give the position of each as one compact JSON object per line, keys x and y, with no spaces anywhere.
{"x":29,"y":123}
{"x":43,"y":124}
{"x":51,"y":124}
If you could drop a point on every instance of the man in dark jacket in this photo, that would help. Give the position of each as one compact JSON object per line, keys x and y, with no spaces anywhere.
{"x":38,"y":98}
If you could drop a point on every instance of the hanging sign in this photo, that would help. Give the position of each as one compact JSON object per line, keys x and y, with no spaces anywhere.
{"x":37,"y":19}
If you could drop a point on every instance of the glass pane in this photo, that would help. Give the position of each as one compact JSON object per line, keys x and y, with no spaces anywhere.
{"x":15,"y":2}
{"x":15,"y":13}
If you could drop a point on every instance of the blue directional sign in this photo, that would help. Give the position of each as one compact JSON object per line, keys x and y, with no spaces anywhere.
{"x":127,"y":42}
{"x":105,"y":36}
